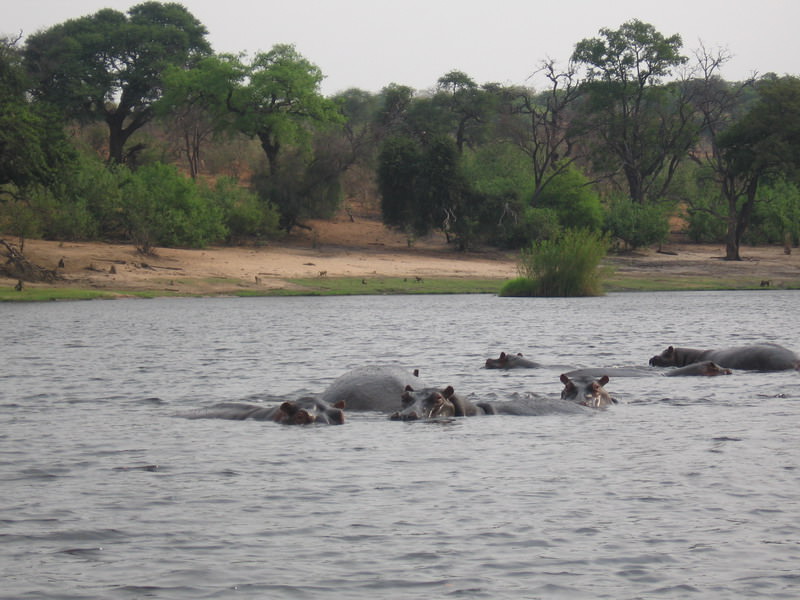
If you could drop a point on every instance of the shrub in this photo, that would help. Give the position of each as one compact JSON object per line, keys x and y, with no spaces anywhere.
{"x":244,"y":214}
{"x":162,"y":207}
{"x":637,"y":224}
{"x":566,"y":266}
{"x":519,"y":287}
{"x":776,"y":214}
{"x":575,"y":202}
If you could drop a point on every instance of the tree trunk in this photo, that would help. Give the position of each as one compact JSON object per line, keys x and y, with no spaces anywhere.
{"x":271,"y":148}
{"x":732,"y":241}
{"x":635,"y":184}
{"x":738,"y":218}
{"x":117,"y":136}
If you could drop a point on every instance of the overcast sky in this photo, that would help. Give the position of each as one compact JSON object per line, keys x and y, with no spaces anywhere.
{"x":369,"y":44}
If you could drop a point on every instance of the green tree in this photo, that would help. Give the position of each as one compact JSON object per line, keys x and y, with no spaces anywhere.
{"x":764,"y":143}
{"x":468,"y":105}
{"x":398,"y":169}
{"x":423,"y":187}
{"x":193,"y":106}
{"x":32,"y":141}
{"x":501,"y":189}
{"x":110,"y":67}
{"x":276,"y":98}
{"x":776,"y":216}
{"x":646,"y":127}
{"x":712,"y":204}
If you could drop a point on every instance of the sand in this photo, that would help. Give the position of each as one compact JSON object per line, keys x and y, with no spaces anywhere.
{"x":364,"y":248}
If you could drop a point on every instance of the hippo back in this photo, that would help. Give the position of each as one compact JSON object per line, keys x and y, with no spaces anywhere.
{"x":372,"y":387}
{"x":759,"y":357}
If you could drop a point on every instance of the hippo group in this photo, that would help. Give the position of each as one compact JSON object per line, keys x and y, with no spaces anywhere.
{"x":756,"y":357}
{"x":405,"y":397}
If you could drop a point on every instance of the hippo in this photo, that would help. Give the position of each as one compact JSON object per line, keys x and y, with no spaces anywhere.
{"x":429,"y":403}
{"x":706,"y":368}
{"x":529,"y":404}
{"x":510,"y":361}
{"x":372,"y":388}
{"x":587,"y":391}
{"x":304,"y":411}
{"x":758,"y":357}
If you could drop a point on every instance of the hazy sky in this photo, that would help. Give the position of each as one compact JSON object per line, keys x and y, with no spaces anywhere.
{"x":371,"y":43}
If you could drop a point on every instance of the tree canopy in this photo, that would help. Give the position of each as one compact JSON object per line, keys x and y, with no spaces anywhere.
{"x":109,"y":66}
{"x":645,"y":127}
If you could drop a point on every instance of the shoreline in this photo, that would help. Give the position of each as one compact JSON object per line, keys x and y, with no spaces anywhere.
{"x":364,"y":257}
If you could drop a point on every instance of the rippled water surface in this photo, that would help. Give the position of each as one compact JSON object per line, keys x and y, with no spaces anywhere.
{"x":689,"y":488}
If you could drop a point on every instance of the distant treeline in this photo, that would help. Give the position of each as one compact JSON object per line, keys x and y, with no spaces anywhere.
{"x":127,"y":126}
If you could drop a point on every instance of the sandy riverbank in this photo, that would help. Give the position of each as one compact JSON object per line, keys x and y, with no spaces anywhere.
{"x":366,"y":249}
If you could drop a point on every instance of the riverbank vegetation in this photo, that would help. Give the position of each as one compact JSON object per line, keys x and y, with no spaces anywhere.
{"x":566,"y":266}
{"x":104,"y":137}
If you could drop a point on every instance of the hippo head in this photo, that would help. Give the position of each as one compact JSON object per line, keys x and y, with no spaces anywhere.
{"x":510,"y":361}
{"x":710,"y":369}
{"x":427,"y":403}
{"x":667,"y":358}
{"x":588,"y":392}
{"x":497,"y":363}
{"x":310,"y":410}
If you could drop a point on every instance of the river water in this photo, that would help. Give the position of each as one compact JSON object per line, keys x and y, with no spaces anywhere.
{"x":689,"y":488}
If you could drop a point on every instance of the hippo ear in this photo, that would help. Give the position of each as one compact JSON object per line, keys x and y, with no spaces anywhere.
{"x":409,"y":388}
{"x":448,"y":391}
{"x":416,"y":372}
{"x":289,"y":408}
{"x":603,"y":380}
{"x":502,"y":356}
{"x":519,"y":353}
{"x":339,"y":405}
{"x":564,"y":379}
{"x":670,"y":350}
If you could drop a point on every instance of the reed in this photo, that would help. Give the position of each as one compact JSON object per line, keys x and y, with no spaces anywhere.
{"x":566,"y":266}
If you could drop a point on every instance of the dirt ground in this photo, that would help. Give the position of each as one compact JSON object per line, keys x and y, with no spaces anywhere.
{"x":365,"y":248}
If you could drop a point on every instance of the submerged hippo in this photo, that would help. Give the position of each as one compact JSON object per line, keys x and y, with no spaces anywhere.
{"x":430,"y":403}
{"x":510,"y":361}
{"x":373,"y":387}
{"x":587,"y":391}
{"x":706,"y":368}
{"x":304,"y":411}
{"x":758,"y":357}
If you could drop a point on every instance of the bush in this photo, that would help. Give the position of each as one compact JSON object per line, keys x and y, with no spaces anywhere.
{"x":162,"y":207}
{"x":776,"y":215}
{"x":637,"y":224}
{"x":575,"y":202}
{"x":244,"y":214}
{"x":518,"y":287}
{"x":566,"y":266}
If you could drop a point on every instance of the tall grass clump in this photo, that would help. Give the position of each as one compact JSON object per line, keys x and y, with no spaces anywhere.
{"x":566,"y":266}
